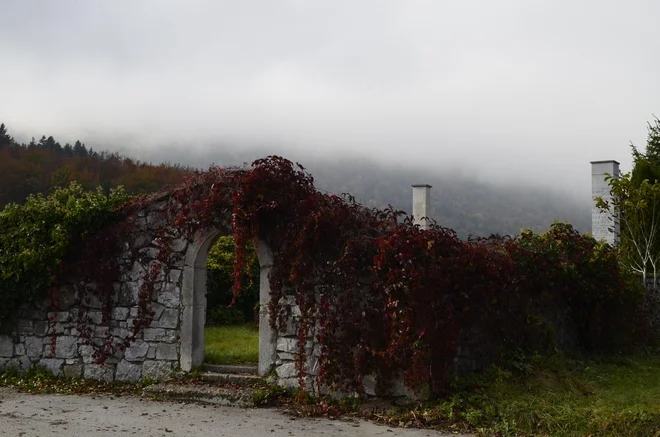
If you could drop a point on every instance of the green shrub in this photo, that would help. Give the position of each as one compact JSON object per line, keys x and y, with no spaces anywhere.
{"x":582,"y":281}
{"x":37,"y":237}
{"x":220,"y":267}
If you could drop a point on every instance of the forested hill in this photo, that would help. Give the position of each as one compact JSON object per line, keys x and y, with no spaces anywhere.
{"x":38,"y":167}
{"x":461,"y":203}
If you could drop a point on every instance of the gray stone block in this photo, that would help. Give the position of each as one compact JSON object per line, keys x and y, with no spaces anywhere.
{"x":169,"y":319}
{"x":66,"y":347}
{"x":100,"y":331}
{"x":285,"y":356}
{"x":159,"y":334}
{"x":52,"y":364}
{"x":169,"y":296}
{"x":167,"y":352}
{"x":120,"y":332}
{"x":120,"y":313}
{"x":95,"y":316}
{"x":93,"y":300}
{"x":25,"y":326}
{"x":156,"y":369}
{"x":157,"y":309}
{"x":99,"y":373}
{"x":23,"y":363}
{"x":19,"y":349}
{"x":72,"y":370}
{"x":137,"y":351}
{"x":128,"y":296}
{"x":6,"y":346}
{"x":289,"y":345}
{"x":40,"y":328}
{"x":62,"y":316}
{"x":287,"y":370}
{"x":179,"y":245}
{"x":312,"y":366}
{"x":128,"y":372}
{"x":137,"y":272}
{"x":55,"y":329}
{"x":86,"y":352}
{"x":149,"y":252}
{"x":174,"y":276}
{"x":288,"y":382}
{"x":290,"y":329}
{"x":369,"y":384}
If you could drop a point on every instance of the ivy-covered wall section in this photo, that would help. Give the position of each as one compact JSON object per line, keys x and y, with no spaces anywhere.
{"x":83,"y":333}
{"x":360,"y":299}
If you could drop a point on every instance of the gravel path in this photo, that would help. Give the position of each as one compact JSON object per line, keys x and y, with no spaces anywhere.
{"x":28,"y":415}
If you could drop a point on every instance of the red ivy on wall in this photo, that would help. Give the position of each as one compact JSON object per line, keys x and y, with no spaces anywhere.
{"x":380,"y":295}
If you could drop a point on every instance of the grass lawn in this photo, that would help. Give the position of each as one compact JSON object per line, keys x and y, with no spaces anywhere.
{"x":556,"y":397}
{"x":236,"y":344}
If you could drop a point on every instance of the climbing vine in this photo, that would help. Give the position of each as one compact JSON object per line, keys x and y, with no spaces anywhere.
{"x":379,"y":295}
{"x":38,"y":237}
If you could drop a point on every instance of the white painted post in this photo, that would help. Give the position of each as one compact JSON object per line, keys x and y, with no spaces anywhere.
{"x":421,"y":205}
{"x":267,"y":335}
{"x":604,"y":225}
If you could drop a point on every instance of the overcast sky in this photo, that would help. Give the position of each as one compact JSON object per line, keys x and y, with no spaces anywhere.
{"x":524,"y":90}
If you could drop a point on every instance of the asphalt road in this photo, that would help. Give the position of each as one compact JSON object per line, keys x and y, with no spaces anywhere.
{"x":28,"y":415}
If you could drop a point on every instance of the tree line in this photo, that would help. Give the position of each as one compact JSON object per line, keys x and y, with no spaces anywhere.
{"x":41,"y":166}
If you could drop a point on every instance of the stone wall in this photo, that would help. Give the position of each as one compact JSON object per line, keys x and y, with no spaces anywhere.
{"x":287,"y":350}
{"x":156,"y":351}
{"x":174,"y":338}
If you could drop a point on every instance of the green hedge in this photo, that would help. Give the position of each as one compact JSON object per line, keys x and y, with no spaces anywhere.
{"x":38,"y":237}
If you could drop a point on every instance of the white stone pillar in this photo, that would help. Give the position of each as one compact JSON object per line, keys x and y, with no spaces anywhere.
{"x":421,"y":205}
{"x":604,"y":225}
{"x":267,"y":335}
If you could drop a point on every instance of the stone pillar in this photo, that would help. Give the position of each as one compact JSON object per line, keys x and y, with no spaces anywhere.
{"x":267,"y":335}
{"x":421,"y":205}
{"x":193,"y":301}
{"x":604,"y":225}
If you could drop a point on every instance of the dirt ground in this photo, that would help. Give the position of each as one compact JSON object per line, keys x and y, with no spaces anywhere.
{"x":28,"y":415}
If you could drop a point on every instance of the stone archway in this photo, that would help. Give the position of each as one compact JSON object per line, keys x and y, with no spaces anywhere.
{"x":193,"y":305}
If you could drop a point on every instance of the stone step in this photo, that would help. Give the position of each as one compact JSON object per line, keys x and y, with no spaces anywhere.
{"x":208,"y":394}
{"x":244,"y":380}
{"x":222,"y":368}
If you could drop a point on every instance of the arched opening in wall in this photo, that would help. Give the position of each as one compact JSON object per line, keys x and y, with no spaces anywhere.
{"x":231,"y":334}
{"x":211,"y":332}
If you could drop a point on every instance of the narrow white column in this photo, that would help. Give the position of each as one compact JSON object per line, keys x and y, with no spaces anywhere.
{"x":421,"y":205}
{"x":604,"y":224}
{"x":267,"y":335}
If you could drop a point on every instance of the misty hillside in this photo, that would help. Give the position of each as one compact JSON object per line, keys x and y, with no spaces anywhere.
{"x":468,"y":206}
